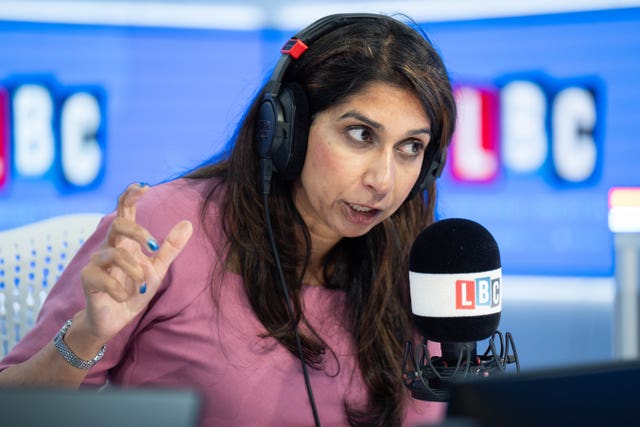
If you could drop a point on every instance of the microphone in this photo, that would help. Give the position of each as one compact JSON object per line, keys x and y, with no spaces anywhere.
{"x":455,"y":278}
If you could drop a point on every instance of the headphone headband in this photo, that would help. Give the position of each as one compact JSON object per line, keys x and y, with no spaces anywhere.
{"x":299,"y":43}
{"x":282,"y":125}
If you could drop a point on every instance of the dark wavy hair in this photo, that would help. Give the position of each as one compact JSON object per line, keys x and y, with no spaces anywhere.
{"x":371,"y":269}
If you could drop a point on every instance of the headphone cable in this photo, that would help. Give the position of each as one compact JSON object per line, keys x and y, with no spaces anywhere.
{"x":290,"y":309}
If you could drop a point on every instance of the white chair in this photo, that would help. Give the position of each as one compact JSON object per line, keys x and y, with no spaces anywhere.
{"x":32,"y":257}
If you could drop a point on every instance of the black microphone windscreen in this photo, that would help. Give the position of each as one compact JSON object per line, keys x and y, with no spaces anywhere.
{"x":455,"y":279}
{"x":452,"y":246}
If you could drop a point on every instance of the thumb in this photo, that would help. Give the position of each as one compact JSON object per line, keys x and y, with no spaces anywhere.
{"x":172,"y":246}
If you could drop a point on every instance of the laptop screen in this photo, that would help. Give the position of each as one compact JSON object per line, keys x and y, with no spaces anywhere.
{"x":605,"y":394}
{"x":110,"y":407}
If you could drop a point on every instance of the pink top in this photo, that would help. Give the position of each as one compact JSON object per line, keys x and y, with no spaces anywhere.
{"x":185,"y":340}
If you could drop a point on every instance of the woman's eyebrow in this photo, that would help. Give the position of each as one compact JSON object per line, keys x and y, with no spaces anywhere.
{"x":419,"y":132}
{"x":356,"y":115}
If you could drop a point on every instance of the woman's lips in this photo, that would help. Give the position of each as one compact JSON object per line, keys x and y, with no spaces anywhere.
{"x":361,"y":214}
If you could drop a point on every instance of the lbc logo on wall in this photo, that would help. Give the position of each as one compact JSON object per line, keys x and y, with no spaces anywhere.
{"x":528,"y":125}
{"x":52,"y":132}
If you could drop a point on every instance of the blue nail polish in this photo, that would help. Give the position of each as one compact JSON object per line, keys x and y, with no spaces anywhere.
{"x":143,"y":288}
{"x":153,"y":245}
{"x":143,"y":184}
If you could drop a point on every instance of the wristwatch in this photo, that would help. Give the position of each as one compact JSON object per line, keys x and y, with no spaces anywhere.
{"x":69,"y":355}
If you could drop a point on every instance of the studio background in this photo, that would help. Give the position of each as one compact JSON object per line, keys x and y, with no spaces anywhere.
{"x":168,"y":94}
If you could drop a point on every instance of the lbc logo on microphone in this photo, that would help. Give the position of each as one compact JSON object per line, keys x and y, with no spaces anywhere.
{"x":483,"y":291}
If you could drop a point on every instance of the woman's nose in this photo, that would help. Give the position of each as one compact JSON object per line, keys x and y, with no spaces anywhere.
{"x":380,"y":173}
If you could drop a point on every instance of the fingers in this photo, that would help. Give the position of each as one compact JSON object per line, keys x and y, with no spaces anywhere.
{"x":121,"y":268}
{"x":118,"y":272}
{"x":97,"y":280}
{"x":124,"y":224}
{"x":116,"y":257}
{"x":127,"y":200}
{"x":174,"y":243}
{"x":97,"y":275}
{"x":123,"y":228}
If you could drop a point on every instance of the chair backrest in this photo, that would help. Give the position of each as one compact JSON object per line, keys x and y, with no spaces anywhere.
{"x":32,"y":258}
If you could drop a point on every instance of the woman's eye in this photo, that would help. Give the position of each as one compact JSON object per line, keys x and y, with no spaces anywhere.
{"x":360,"y":133}
{"x":412,"y":148}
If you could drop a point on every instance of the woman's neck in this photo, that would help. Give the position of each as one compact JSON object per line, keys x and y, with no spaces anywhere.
{"x":320,"y":247}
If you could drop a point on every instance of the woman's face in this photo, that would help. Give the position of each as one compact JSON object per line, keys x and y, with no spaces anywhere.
{"x":363,"y":158}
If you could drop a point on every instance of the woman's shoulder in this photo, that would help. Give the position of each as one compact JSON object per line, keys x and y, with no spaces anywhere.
{"x":180,"y":195}
{"x":163,"y":205}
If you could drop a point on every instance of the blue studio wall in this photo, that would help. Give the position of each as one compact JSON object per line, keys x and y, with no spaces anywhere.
{"x":170,"y":99}
{"x":166,"y":99}
{"x":546,"y":224}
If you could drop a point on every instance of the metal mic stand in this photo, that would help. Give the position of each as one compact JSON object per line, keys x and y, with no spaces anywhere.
{"x":429,"y":377}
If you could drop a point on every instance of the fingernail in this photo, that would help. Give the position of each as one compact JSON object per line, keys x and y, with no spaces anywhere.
{"x":153,"y":245}
{"x":143,"y":288}
{"x":143,"y":184}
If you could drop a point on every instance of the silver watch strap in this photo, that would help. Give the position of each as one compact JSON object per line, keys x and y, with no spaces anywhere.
{"x":69,"y":355}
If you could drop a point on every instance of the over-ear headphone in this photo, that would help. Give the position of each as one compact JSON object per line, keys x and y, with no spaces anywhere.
{"x":282,"y":124}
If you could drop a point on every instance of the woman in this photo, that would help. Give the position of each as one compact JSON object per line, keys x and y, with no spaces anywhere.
{"x":214,"y":307}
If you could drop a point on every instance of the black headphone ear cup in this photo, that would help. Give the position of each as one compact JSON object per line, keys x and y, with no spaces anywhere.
{"x":436,"y":167}
{"x":267,"y":130}
{"x":288,"y":156}
{"x":431,"y":170}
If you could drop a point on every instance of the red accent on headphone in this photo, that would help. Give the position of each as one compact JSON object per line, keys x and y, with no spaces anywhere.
{"x":294,"y":47}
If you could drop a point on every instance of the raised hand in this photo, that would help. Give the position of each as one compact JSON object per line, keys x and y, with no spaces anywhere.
{"x":124,"y":274}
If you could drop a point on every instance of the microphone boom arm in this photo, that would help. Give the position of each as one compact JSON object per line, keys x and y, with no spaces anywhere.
{"x":429,"y":377}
